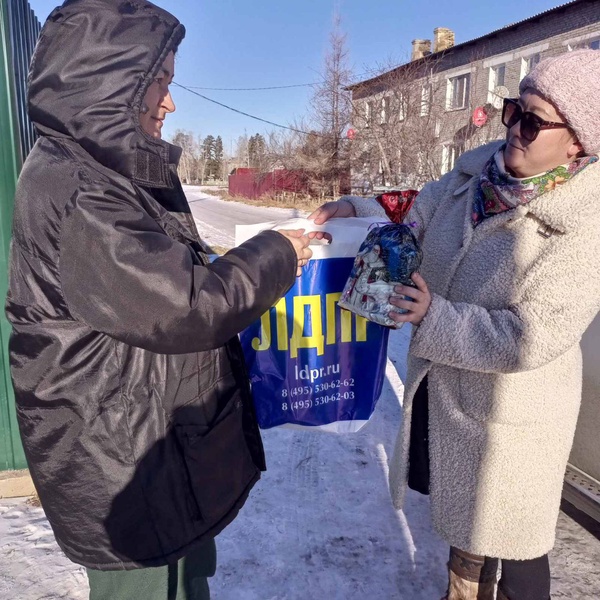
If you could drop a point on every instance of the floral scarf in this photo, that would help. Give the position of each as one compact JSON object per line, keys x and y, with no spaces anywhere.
{"x":498,"y":191}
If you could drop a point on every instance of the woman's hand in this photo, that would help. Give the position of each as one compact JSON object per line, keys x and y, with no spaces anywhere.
{"x":329,"y":210}
{"x":418,"y":307}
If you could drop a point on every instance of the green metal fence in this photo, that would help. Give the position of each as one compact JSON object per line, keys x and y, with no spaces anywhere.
{"x":19,"y":28}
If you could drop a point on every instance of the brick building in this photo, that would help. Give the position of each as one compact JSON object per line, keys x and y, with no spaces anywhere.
{"x":412,"y":122}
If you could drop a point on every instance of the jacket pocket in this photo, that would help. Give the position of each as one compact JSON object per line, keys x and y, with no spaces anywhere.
{"x":218,"y":462}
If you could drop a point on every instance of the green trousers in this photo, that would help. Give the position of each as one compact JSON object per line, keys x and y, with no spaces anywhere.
{"x":185,"y":580}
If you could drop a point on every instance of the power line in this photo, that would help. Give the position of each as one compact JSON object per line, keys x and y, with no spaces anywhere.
{"x":241,"y":112}
{"x":252,"y":89}
{"x":370,"y":74}
{"x":273,"y":87}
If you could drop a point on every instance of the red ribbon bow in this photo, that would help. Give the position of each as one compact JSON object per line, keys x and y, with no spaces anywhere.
{"x":397,"y":203}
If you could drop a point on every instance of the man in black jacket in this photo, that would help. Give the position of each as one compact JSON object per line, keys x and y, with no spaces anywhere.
{"x":132,"y":395}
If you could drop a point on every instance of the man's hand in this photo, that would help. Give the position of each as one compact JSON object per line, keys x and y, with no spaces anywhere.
{"x":418,"y":307}
{"x":329,"y":210}
{"x":300,"y":243}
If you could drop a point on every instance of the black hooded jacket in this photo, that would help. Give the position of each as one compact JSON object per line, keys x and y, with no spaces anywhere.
{"x":132,"y":396}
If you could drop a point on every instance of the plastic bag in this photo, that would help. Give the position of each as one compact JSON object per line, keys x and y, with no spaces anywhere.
{"x":312,"y":364}
{"x":389,"y":255}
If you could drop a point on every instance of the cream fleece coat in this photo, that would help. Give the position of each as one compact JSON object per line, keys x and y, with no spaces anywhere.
{"x":500,"y":345}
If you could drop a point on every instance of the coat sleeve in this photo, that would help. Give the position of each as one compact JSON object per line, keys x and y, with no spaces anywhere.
{"x":123,"y":276}
{"x":422,"y":210}
{"x":427,"y":202}
{"x":557,"y":301}
{"x":366,"y":207}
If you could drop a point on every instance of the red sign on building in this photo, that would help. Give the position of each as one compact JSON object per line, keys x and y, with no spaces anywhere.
{"x":479,"y":117}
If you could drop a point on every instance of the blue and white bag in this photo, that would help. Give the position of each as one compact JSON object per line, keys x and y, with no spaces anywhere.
{"x":311,"y":363}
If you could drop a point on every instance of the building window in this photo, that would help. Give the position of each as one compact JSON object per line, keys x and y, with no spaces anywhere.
{"x":384,"y":115}
{"x":528,"y":63}
{"x":497,"y":75}
{"x":368,"y":113}
{"x":426,"y":94}
{"x":402,"y":106}
{"x":591,"y":41}
{"x":450,"y":152}
{"x":458,"y":91}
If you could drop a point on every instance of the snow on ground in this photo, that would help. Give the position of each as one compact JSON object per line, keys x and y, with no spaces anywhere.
{"x":216,"y":219}
{"x":222,"y":239}
{"x":32,"y":567}
{"x":319,"y":526}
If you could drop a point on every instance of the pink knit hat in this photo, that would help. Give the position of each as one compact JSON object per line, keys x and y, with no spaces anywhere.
{"x":571,"y":82}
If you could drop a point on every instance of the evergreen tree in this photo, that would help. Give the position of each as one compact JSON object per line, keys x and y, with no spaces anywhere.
{"x":208,"y":154}
{"x":257,"y":150}
{"x":218,"y":158}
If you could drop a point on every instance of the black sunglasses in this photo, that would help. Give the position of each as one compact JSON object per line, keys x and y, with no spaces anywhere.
{"x":531,"y":124}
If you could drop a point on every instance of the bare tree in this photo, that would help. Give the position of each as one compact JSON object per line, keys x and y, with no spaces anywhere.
{"x":187,"y":164}
{"x":467,"y":132}
{"x":315,"y":145}
{"x":398,"y":120}
{"x":325,"y":154}
{"x":240,"y":157}
{"x":282,"y":149}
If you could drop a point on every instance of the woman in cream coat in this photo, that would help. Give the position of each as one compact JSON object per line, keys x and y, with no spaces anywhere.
{"x":510,"y":280}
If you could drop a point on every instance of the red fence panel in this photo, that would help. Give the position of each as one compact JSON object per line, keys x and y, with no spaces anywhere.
{"x":250,"y":183}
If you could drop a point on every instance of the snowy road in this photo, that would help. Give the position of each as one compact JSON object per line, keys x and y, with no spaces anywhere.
{"x":318,"y":526}
{"x":216,"y":219}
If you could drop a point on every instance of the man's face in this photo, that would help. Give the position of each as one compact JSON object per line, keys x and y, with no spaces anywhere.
{"x":158,"y":99}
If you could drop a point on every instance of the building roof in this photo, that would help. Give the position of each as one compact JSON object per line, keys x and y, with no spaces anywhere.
{"x":489,"y":35}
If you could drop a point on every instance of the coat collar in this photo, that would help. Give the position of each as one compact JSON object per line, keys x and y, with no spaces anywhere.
{"x":563,"y":209}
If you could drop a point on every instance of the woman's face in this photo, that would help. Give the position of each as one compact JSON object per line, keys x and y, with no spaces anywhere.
{"x":551,"y":148}
{"x":158,"y":99}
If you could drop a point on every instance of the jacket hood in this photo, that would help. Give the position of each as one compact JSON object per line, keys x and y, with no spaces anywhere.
{"x":90,"y":71}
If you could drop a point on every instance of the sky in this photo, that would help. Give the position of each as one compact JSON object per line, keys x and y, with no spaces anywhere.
{"x":267,"y":43}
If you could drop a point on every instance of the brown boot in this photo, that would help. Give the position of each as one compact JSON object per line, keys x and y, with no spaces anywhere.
{"x":471,"y":577}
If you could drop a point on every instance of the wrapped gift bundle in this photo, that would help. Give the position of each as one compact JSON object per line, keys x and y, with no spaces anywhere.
{"x":389,"y":256}
{"x":312,"y":364}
